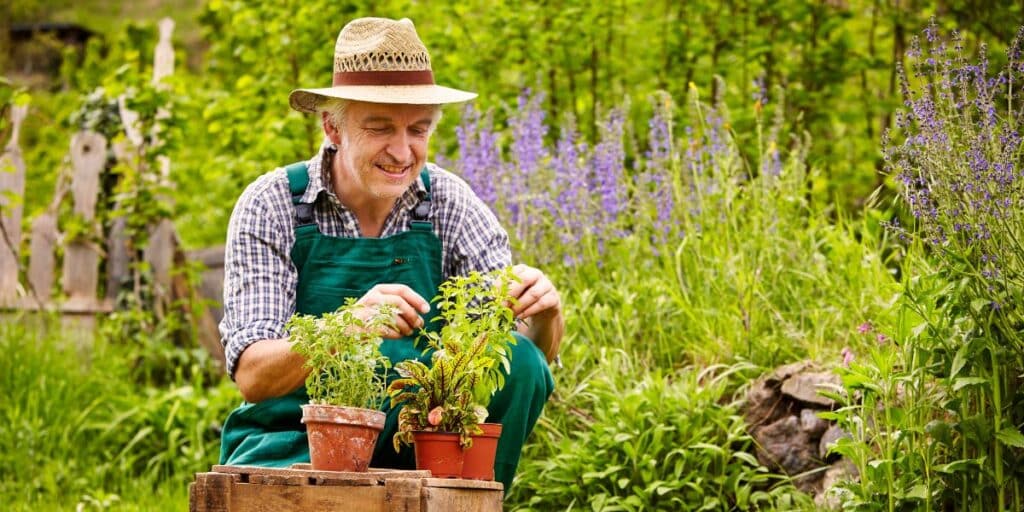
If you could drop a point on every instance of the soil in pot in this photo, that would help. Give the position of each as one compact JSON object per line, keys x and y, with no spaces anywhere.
{"x":439,"y":452}
{"x":341,"y":438}
{"x":479,"y":464}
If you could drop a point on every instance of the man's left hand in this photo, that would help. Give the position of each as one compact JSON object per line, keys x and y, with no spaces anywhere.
{"x":534,"y":294}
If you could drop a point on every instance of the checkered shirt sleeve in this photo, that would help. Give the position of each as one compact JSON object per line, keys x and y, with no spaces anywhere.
{"x":260,"y":278}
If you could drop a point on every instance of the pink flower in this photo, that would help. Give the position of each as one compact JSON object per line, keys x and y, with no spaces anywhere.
{"x":847,"y":356}
{"x":434,"y":417}
{"x":881,"y":339}
{"x":864,"y":328}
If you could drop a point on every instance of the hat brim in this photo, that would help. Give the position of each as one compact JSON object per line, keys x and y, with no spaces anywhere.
{"x":307,"y":100}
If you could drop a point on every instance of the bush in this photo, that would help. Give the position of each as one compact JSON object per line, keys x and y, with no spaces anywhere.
{"x":673,"y":441}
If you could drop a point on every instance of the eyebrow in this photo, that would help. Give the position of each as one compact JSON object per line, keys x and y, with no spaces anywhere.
{"x":386,"y":119}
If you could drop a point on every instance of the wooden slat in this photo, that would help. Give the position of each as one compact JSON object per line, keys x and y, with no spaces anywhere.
{"x":458,"y":483}
{"x":211,"y":492}
{"x":282,"y":498}
{"x":403,"y":495}
{"x":12,"y":183}
{"x":42,"y":254}
{"x":81,"y":261}
{"x":257,"y":489}
{"x":445,"y":499}
{"x":324,"y":477}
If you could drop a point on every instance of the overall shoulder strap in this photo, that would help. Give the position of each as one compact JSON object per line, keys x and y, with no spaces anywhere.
{"x":421,"y":212}
{"x":298,"y":180}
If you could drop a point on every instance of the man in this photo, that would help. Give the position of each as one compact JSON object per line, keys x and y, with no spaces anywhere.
{"x":367,"y":217}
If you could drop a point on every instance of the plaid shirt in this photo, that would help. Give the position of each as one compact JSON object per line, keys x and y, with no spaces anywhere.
{"x":260,"y":279}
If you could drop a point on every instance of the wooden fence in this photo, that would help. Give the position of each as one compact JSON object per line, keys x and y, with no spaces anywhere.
{"x":78,"y":299}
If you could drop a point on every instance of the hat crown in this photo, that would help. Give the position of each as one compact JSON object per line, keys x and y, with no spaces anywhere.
{"x":380,"y":44}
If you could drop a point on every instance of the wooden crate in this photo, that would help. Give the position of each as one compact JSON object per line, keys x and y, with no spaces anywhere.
{"x":256,"y":489}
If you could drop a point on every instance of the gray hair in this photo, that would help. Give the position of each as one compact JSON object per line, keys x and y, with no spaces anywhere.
{"x":337,"y":107}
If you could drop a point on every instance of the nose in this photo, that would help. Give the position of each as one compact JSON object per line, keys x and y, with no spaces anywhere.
{"x":399,"y":147}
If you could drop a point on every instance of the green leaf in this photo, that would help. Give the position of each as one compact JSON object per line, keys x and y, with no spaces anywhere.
{"x":1010,"y":436}
{"x":963,"y":382}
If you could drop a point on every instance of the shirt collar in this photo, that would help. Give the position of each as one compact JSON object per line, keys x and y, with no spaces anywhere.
{"x":320,"y":179}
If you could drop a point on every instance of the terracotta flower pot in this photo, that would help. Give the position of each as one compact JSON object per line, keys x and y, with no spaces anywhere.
{"x":479,"y":463}
{"x":341,"y":438}
{"x":439,"y":452}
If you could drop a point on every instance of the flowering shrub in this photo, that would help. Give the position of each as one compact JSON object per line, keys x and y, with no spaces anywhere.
{"x":935,"y":417}
{"x":958,"y":164}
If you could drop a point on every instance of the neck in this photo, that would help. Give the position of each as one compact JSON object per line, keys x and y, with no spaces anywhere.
{"x":370,"y":212}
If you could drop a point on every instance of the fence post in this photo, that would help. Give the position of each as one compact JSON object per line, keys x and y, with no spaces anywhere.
{"x":12,"y":193}
{"x":81,"y":259}
{"x":162,"y":238}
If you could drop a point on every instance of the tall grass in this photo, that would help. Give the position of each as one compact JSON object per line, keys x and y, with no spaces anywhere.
{"x":80,"y":433}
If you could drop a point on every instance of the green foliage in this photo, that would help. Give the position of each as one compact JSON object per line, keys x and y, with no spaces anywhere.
{"x":670,"y":441}
{"x":80,"y":432}
{"x":937,"y":423}
{"x":342,"y":352}
{"x":467,"y":359}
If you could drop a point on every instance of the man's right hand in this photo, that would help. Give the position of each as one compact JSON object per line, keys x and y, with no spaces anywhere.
{"x":408,"y":304}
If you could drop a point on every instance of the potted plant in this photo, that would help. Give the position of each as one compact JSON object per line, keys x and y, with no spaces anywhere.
{"x":346,"y":384}
{"x":445,"y":403}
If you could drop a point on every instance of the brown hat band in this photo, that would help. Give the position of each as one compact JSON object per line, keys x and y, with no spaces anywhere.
{"x":420,"y":77}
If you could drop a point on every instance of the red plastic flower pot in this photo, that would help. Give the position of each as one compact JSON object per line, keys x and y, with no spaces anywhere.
{"x":341,"y":438}
{"x":439,"y":452}
{"x":479,"y":464}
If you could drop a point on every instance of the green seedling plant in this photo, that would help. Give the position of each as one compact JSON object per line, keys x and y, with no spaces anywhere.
{"x":342,"y":351}
{"x":469,"y":360}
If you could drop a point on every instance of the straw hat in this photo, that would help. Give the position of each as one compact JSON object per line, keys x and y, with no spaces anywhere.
{"x":380,"y":60}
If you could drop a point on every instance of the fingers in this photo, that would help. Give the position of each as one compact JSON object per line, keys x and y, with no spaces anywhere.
{"x":407,"y":303}
{"x":534,"y":293}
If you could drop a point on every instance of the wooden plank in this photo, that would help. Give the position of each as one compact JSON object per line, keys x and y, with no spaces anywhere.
{"x":163,"y":55}
{"x":117,"y":258}
{"x":281,"y":498}
{"x":211,"y":492}
{"x":81,"y":261}
{"x":450,"y":499}
{"x":12,"y":193}
{"x":403,"y":494}
{"x":42,"y":255}
{"x":458,"y":483}
{"x":324,"y":477}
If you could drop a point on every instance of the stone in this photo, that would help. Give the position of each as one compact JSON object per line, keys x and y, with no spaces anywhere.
{"x":806,"y":386}
{"x":829,"y":438}
{"x":811,"y":423}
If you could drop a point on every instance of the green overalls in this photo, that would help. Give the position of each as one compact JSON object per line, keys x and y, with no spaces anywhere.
{"x":331,"y":269}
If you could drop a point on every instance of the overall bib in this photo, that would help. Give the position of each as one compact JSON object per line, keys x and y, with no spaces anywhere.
{"x":332,"y":269}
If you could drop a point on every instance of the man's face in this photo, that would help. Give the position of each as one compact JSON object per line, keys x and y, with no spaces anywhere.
{"x":381,"y":149}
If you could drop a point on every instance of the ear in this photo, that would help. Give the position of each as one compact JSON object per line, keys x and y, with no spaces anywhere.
{"x":330,"y":130}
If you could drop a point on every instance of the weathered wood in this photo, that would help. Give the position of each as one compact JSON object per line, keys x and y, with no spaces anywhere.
{"x":403,"y":495}
{"x":118,"y":271}
{"x":163,"y":55}
{"x":160,"y":255}
{"x":42,"y":259}
{"x":206,"y":328}
{"x":297,"y":489}
{"x":288,"y":498}
{"x":12,"y":192}
{"x":450,"y":499}
{"x":211,"y":291}
{"x":211,"y":492}
{"x":81,"y":260}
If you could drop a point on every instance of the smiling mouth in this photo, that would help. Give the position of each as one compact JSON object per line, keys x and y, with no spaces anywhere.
{"x":394,"y":170}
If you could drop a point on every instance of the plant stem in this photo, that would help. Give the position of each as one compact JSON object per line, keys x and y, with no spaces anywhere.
{"x":997,"y":418}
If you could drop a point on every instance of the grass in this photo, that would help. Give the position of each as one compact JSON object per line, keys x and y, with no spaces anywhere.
{"x":80,"y":433}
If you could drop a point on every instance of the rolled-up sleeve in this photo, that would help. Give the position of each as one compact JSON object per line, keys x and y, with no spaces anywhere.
{"x":259,"y":276}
